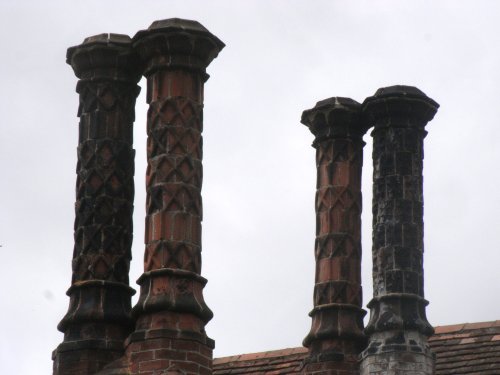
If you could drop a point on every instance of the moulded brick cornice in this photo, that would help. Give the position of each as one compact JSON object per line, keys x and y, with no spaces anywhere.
{"x":400,"y":101}
{"x":104,"y":56}
{"x":176,"y":42}
{"x":334,"y":117}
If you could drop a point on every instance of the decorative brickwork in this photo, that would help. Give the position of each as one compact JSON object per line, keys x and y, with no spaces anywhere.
{"x":171,"y":314}
{"x":398,"y":327}
{"x":165,"y":332}
{"x":336,"y":337}
{"x":99,"y":315}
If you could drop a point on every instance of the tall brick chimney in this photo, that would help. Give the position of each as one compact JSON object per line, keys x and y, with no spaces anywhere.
{"x":336,"y":337}
{"x":398,"y":327}
{"x":99,"y":314}
{"x":171,"y":313}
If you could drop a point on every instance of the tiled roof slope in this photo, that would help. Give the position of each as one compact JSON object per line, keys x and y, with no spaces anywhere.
{"x":470,"y":348}
{"x":285,"y":361}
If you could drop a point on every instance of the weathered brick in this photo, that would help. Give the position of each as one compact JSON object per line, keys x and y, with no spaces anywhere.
{"x":169,"y":354}
{"x":142,"y":356}
{"x":104,"y":205}
{"x":156,"y":364}
{"x":399,"y":115}
{"x":171,"y":314}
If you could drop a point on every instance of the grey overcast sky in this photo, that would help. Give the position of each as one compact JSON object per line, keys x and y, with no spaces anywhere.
{"x":259,"y":170}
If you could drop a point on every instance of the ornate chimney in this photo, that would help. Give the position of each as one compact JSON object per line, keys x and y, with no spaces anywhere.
{"x":336,"y":337}
{"x":398,"y":327}
{"x":99,"y":314}
{"x":171,"y":314}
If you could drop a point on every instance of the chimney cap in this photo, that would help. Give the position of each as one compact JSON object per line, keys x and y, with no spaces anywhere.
{"x":178,"y":23}
{"x":399,"y":90}
{"x":107,"y":38}
{"x":338,"y":102}
{"x":176,"y":42}
{"x":334,"y":117}
{"x":104,"y":56}
{"x":400,"y":100}
{"x":104,"y":39}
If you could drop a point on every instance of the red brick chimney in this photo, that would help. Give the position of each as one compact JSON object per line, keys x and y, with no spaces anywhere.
{"x":99,"y":314}
{"x":398,"y":329}
{"x":171,"y":314}
{"x":336,"y":337}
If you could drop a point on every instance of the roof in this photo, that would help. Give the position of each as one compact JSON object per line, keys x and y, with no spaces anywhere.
{"x":285,"y":361}
{"x":469,"y":348}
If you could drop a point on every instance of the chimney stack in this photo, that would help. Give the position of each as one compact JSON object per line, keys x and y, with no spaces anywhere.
{"x":99,"y":315}
{"x":171,"y":314}
{"x":398,"y":329}
{"x":336,"y":337}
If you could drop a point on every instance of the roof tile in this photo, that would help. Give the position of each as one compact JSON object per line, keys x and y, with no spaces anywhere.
{"x":461,"y":349}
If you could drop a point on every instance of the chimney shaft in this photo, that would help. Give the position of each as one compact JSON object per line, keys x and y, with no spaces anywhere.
{"x":99,"y":315}
{"x":398,"y":327}
{"x":171,"y":313}
{"x":336,"y":337}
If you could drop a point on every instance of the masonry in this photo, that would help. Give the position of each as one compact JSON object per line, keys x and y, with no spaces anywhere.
{"x":99,"y":315}
{"x":398,"y":329}
{"x":164,"y":333}
{"x":166,"y":328}
{"x":336,"y":337}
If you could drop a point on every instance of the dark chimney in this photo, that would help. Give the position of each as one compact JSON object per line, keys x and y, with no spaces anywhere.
{"x":99,"y":314}
{"x":398,"y":327}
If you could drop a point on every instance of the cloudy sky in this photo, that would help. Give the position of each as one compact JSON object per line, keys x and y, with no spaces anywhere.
{"x":259,"y":174}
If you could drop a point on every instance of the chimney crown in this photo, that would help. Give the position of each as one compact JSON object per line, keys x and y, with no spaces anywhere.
{"x":400,"y":101}
{"x":334,"y":117}
{"x":106,"y":55}
{"x":177,"y":42}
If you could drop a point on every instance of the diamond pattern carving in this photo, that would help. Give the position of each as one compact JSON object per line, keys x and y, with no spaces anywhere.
{"x":171,"y":254}
{"x":337,"y":150}
{"x":337,"y":292}
{"x":175,"y":112}
{"x":338,"y":198}
{"x":175,"y":140}
{"x":337,"y":245}
{"x":338,"y":207}
{"x":107,"y":96}
{"x":105,"y":186}
{"x":174,"y":197}
{"x":175,"y":170}
{"x":99,"y":311}
{"x":338,"y":234}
